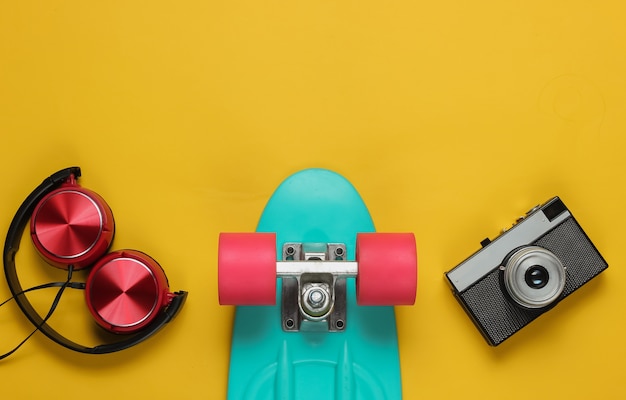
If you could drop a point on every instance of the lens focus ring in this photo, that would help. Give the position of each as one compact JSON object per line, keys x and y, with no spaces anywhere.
{"x":534,"y":277}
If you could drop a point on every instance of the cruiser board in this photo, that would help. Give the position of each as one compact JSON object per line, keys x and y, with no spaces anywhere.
{"x":299,"y":331}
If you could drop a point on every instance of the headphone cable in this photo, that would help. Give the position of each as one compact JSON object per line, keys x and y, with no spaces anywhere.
{"x":62,"y":286}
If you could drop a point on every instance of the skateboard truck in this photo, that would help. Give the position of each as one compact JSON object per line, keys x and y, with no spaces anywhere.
{"x":314,"y":276}
{"x":314,"y":286}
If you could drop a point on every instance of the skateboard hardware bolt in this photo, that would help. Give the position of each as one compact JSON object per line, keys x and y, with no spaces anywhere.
{"x":339,"y":252}
{"x":290,"y":252}
{"x":316,"y":298}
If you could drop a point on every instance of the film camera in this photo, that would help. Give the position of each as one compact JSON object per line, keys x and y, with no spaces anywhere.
{"x":525,"y":271}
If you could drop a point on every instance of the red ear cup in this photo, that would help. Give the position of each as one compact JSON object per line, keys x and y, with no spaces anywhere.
{"x":126,"y":290}
{"x":72,"y":225}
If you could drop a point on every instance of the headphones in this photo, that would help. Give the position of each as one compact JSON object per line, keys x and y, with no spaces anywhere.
{"x":72,"y":228}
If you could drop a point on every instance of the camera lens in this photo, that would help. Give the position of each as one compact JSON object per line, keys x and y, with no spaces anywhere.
{"x":533,"y":277}
{"x":537,"y":277}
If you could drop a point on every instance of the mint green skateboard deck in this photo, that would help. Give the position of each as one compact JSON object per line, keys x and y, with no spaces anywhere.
{"x":361,"y":361}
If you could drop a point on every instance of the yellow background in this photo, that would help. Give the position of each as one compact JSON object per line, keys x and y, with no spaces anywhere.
{"x":451,"y":118}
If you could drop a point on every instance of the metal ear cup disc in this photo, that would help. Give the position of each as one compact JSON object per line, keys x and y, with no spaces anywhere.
{"x":72,"y":226}
{"x":125,"y":291}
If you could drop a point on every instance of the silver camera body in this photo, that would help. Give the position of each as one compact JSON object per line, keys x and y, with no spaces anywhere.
{"x":525,"y":271}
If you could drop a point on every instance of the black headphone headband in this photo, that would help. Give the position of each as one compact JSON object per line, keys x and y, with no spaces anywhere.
{"x":11,"y":246}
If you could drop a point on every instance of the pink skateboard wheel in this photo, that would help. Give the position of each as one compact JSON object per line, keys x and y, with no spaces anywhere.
{"x":247,"y":268}
{"x":387,"y":269}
